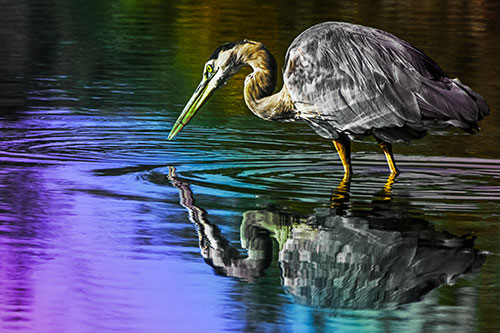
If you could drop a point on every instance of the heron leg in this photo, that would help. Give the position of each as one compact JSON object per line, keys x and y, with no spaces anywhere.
{"x":387,"y":148}
{"x":388,"y":186}
{"x":343,"y":146}
{"x":340,"y":197}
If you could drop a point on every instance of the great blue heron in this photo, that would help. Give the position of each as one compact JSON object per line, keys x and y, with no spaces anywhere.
{"x":345,"y":81}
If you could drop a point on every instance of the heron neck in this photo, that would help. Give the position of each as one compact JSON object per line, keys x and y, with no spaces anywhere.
{"x":216,"y":249}
{"x":260,"y":85}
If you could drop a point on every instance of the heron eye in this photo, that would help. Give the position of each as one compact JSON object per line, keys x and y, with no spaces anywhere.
{"x":209,"y":69}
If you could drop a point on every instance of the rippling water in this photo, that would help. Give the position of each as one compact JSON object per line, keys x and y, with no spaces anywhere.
{"x":238,"y":224}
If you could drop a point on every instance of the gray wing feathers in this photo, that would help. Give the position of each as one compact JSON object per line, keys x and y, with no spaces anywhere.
{"x":351,"y":79}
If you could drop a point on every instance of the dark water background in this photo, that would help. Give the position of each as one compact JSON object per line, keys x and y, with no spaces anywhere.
{"x":94,"y":236}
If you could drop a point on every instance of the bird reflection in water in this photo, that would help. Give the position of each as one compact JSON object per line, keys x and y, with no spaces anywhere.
{"x":337,"y":258}
{"x":340,"y":196}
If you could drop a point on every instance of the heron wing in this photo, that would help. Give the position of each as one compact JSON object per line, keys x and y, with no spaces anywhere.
{"x":345,"y":78}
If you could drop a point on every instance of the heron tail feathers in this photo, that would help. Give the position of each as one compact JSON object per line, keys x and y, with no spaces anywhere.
{"x":451,"y":102}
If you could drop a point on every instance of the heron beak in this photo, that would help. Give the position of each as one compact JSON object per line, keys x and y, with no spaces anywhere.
{"x":200,"y":96}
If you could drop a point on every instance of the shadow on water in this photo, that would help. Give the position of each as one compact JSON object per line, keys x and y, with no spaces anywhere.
{"x":339,"y":256}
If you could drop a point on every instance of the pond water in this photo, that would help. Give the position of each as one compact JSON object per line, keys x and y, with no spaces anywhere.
{"x":238,"y":224}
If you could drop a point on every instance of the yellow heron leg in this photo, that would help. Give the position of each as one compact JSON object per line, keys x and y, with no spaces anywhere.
{"x":388,"y":186}
{"x":387,"y":148}
{"x":343,"y":146}
{"x":341,"y":194}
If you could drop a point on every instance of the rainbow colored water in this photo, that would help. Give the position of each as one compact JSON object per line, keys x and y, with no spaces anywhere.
{"x":95,"y":236}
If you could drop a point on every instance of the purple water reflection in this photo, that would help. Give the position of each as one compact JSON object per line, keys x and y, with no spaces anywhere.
{"x":73,"y":259}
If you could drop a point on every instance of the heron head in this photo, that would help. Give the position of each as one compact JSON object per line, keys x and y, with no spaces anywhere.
{"x":222,"y":64}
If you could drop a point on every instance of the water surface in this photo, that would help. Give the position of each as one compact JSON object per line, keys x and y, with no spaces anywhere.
{"x":237,"y":224}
